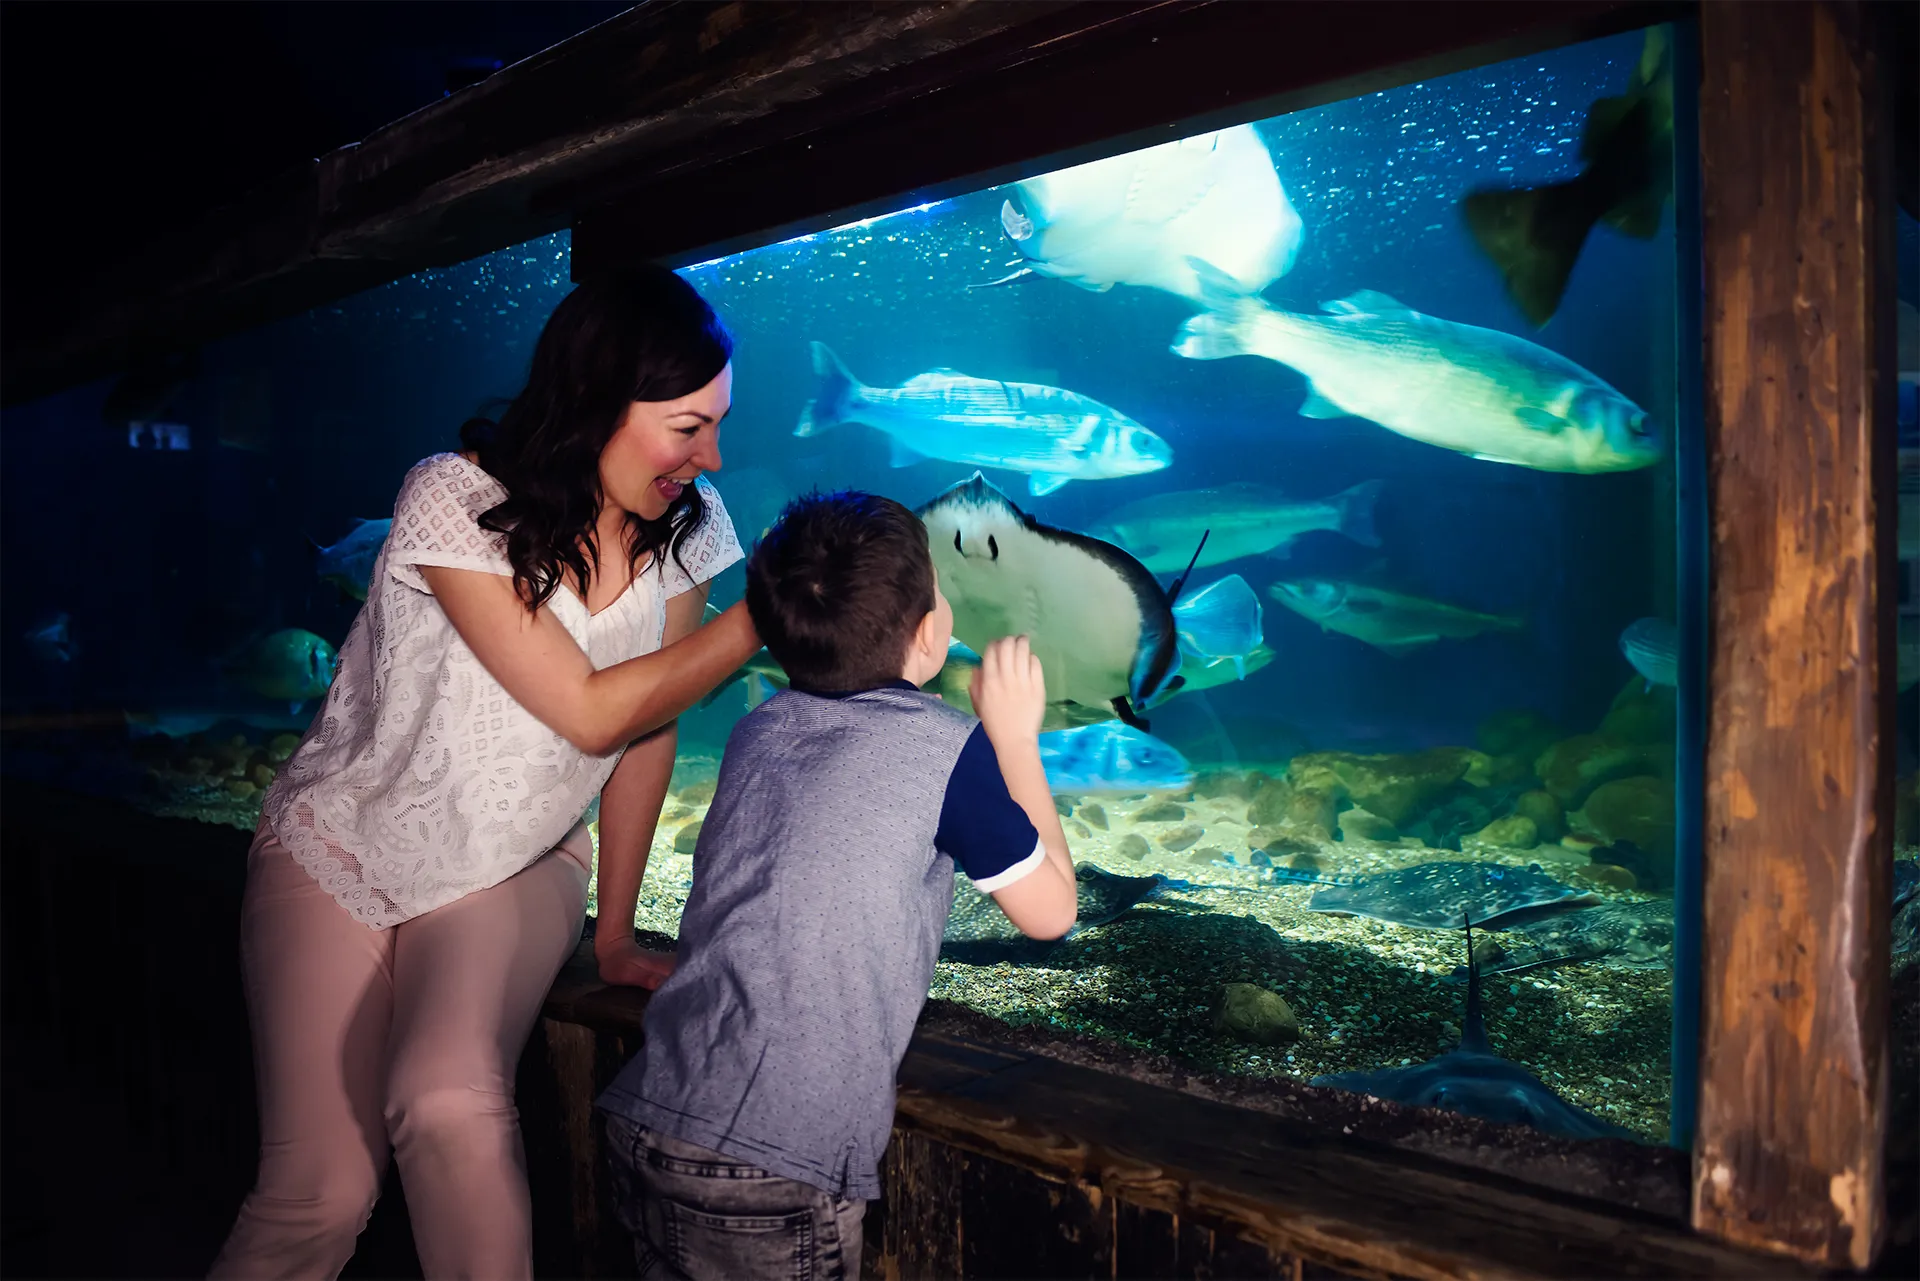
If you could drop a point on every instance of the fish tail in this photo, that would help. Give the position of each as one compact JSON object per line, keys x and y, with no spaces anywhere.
{"x":1534,"y":236}
{"x":1211,"y":335}
{"x":833,"y":399}
{"x":1355,"y":507}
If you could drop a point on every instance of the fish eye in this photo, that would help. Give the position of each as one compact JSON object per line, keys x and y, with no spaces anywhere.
{"x":1639,"y":426}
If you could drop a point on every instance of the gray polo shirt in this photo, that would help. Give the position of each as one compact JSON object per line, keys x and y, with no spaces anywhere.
{"x":821,"y":887}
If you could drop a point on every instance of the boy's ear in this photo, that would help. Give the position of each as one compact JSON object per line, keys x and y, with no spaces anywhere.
{"x":923,"y":637}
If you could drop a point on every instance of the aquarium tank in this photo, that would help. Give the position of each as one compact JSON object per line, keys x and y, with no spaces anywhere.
{"x":1336,"y":462}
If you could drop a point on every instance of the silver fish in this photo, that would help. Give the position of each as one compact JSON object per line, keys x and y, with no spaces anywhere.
{"x":1392,"y":622}
{"x":1476,"y":391}
{"x":1219,"y":621}
{"x":1238,"y":519}
{"x":1141,"y":218}
{"x":1653,"y":647}
{"x":1111,"y":759}
{"x":1049,"y":433}
{"x":1100,"y":624}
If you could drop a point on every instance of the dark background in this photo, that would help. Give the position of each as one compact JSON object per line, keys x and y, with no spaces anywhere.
{"x":121,"y":122}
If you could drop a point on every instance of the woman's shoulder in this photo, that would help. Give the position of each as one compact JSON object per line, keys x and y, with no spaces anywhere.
{"x":448,"y":480}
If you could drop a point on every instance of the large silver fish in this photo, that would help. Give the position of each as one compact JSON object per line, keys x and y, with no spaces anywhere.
{"x":1476,"y":391}
{"x":1392,"y":622}
{"x":1143,"y":218}
{"x":1652,"y":646}
{"x":1111,"y":759}
{"x":1052,"y":434}
{"x":1101,"y":625}
{"x":1239,"y":519}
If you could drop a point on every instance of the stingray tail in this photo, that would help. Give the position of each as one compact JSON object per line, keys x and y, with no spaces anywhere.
{"x":1355,"y":508}
{"x":1473,"y":1033}
{"x":833,"y":398}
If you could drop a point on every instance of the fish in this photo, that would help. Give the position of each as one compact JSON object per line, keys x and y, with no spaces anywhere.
{"x":1652,"y":646}
{"x":1111,"y":759}
{"x":1392,"y":622}
{"x":51,"y":639}
{"x":1472,"y":1079}
{"x":1439,"y":896}
{"x":1053,"y":435}
{"x":1141,"y":218}
{"x":1219,"y":622}
{"x":289,"y":666}
{"x":1480,"y":392}
{"x":1098,"y":621}
{"x":1636,"y":936}
{"x":1239,"y":519}
{"x":1534,"y":234}
{"x":348,"y":564}
{"x":979,"y":933}
{"x":1197,"y":676}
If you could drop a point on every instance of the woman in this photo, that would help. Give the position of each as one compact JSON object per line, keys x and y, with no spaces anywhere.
{"x":420,"y":869}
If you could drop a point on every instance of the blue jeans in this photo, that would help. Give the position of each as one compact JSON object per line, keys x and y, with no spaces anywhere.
{"x":697,"y":1215}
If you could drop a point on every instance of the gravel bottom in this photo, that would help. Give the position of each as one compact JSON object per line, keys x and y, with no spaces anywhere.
{"x":1367,"y":994}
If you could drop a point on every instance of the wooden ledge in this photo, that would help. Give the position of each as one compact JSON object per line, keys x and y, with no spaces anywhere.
{"x":1292,"y":1188}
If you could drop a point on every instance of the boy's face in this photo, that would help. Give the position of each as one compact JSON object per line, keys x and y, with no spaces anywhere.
{"x":927,"y":651}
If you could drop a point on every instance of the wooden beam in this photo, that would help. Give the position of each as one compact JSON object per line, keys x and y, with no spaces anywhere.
{"x":1799,"y":436}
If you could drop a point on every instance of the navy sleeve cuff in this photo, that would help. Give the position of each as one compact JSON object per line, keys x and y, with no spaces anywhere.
{"x":982,"y":828}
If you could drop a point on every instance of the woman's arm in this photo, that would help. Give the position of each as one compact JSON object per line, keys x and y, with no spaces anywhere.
{"x":629,"y":812}
{"x":537,"y":662}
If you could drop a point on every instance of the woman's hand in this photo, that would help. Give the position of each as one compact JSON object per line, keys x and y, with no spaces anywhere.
{"x":625,"y":963}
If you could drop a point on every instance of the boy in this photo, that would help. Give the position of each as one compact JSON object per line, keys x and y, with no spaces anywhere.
{"x":746,"y":1136}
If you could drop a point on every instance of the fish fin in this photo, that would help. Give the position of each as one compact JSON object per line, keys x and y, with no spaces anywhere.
{"x":1533,"y":236}
{"x":1318,"y":406}
{"x":832,"y":399}
{"x":1365,"y":302}
{"x":293,"y":707}
{"x":1218,"y":290}
{"x":1023,"y":274}
{"x":1400,"y":649}
{"x":1355,"y":506}
{"x":1017,"y":225}
{"x":903,"y":455}
{"x":759,"y":690}
{"x":1541,"y":419}
{"x":1495,"y":458}
{"x":1040,"y":484}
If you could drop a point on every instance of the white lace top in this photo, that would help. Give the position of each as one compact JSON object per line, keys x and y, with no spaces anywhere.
{"x":422,"y":780}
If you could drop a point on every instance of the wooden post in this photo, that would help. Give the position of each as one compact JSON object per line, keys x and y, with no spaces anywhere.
{"x":1799,"y":425}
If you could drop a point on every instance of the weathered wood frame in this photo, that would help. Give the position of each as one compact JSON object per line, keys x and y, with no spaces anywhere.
{"x":1797,"y":410}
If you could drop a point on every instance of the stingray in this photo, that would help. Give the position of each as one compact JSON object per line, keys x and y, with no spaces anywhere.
{"x":1472,"y":1079}
{"x":979,"y":933}
{"x":1099,"y":622}
{"x":1439,"y":896}
{"x":1634,"y":936}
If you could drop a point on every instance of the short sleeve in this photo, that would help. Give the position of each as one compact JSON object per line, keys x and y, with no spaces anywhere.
{"x":709,"y":549}
{"x":982,"y":828}
{"x":436,"y":521}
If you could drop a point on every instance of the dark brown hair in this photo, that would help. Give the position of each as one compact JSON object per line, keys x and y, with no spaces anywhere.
{"x":837,"y":587}
{"x":643,"y":334}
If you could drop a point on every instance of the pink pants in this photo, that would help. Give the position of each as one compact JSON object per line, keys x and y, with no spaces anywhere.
{"x":405,"y":1041}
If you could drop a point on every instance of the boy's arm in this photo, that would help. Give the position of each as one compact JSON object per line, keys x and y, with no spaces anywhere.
{"x":1010,"y":696}
{"x":629,"y":812}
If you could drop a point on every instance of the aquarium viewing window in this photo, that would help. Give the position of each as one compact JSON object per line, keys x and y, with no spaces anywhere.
{"x":1331,"y":459}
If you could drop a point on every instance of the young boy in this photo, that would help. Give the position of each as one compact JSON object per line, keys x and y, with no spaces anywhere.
{"x":746,"y":1136}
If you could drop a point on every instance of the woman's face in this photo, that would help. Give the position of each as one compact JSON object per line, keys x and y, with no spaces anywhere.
{"x":660,"y":447}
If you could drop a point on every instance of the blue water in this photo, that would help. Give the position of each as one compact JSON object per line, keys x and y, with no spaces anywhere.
{"x":301,"y":427}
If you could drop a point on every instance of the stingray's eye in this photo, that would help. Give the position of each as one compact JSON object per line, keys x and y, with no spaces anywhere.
{"x":993,"y":548}
{"x":956,"y":543}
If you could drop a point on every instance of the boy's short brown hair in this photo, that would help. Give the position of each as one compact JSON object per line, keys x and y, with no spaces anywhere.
{"x":837,"y":588}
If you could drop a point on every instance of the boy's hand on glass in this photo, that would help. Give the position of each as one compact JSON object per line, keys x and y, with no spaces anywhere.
{"x":1010,"y":692}
{"x":625,"y":963}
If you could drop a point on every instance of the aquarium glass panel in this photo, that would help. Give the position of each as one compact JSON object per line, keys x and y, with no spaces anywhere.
{"x":1329,"y":459}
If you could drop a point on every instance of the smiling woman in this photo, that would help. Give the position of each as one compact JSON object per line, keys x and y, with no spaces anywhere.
{"x":420,"y":870}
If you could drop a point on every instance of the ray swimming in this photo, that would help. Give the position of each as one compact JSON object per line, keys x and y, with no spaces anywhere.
{"x":1636,"y":936}
{"x":1472,"y":1079}
{"x":1438,"y":896}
